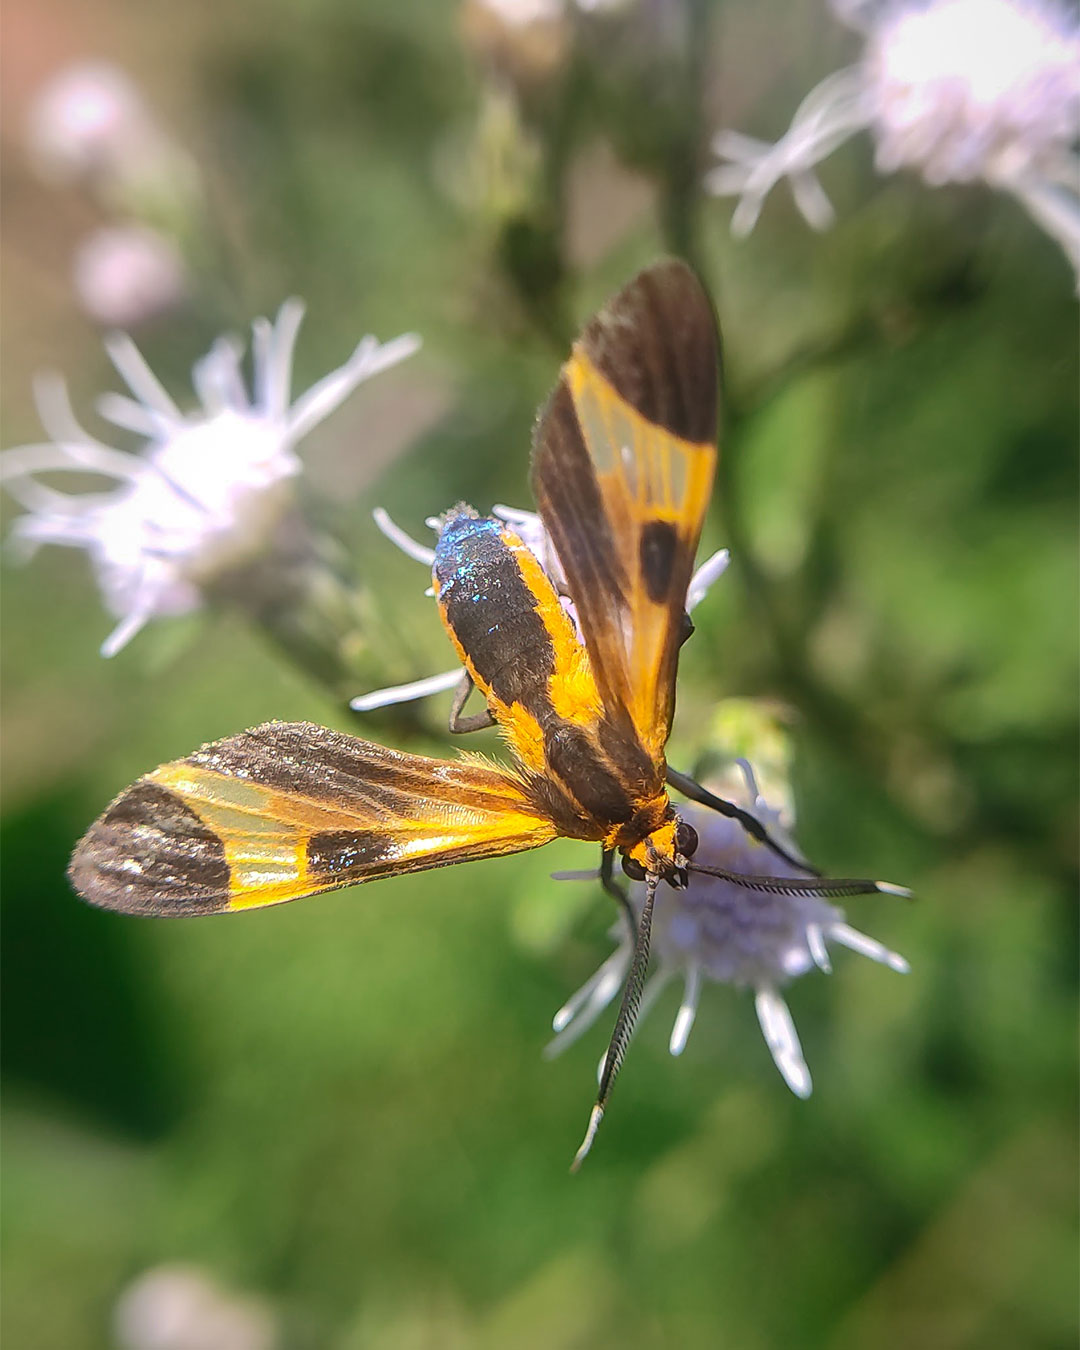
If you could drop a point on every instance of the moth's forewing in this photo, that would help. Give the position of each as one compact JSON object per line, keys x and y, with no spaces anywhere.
{"x":290,"y":809}
{"x":622,"y":470}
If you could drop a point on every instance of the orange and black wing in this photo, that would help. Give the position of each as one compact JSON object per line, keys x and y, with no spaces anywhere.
{"x":290,"y":809}
{"x":622,"y":469}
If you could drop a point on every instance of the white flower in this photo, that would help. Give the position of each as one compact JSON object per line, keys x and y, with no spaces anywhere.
{"x":83,"y":119}
{"x":958,"y":90}
{"x":717,"y":931}
{"x":90,"y":124}
{"x":523,"y":13}
{"x":529,"y":528}
{"x":207,"y":486}
{"x":176,"y":1307}
{"x":126,"y":274}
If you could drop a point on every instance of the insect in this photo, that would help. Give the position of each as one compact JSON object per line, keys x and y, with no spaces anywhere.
{"x":622,"y":467}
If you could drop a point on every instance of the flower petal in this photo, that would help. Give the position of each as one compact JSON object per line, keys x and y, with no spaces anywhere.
{"x":405,"y":693}
{"x":684,"y":1020}
{"x":815,"y":941}
{"x":275,"y":382}
{"x":710,"y":571}
{"x":132,"y":367}
{"x":582,"y":1009}
{"x":57,"y":415}
{"x":397,"y":536}
{"x":329,"y":393}
{"x":782,"y":1040}
{"x":866,"y":946}
{"x":128,"y":415}
{"x":125,"y":630}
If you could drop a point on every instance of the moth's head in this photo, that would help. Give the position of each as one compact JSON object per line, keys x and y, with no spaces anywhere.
{"x":666,"y":854}
{"x":462,"y":511}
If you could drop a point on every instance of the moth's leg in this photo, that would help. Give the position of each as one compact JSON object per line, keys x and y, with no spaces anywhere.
{"x":750,"y":823}
{"x":459,"y":725}
{"x":607,"y":880}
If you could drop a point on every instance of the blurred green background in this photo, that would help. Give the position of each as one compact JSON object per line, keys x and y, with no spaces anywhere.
{"x":339,"y":1108}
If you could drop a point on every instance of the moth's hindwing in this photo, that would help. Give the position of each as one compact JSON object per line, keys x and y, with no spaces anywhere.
{"x":288,"y":810}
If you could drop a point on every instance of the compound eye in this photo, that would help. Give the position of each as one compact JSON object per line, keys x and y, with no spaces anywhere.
{"x":633,"y":868}
{"x":686,"y":839}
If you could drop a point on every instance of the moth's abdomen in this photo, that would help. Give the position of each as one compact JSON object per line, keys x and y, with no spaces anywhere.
{"x":502,"y":613}
{"x":521,"y":648}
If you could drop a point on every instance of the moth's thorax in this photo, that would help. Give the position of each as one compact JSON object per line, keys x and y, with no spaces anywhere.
{"x":648,"y":837}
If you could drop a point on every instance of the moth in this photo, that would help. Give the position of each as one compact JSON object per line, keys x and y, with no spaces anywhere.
{"x":622,"y":467}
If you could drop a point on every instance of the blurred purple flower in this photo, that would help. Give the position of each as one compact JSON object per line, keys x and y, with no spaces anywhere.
{"x":174,"y":1307}
{"x":126,"y":274}
{"x":717,"y":931}
{"x":90,"y":124}
{"x":83,"y":119}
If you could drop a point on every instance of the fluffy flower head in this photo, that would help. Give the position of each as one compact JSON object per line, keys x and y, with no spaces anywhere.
{"x":957,"y":90}
{"x":962,"y":89}
{"x":176,"y":1307}
{"x":126,"y":274}
{"x":206,"y":487}
{"x":714,"y":930}
{"x":82,"y":118}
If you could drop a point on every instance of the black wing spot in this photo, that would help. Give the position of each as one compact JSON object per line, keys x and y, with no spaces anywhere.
{"x":151,"y":854}
{"x":657,"y":552}
{"x":657,"y":343}
{"x":336,"y":853}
